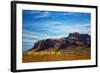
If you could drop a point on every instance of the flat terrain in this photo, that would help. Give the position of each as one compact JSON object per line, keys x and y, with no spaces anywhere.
{"x":64,"y":55}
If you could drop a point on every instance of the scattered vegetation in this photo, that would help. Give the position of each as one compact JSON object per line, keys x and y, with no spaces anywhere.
{"x":76,"y":54}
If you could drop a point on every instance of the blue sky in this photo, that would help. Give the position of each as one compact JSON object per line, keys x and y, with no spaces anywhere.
{"x":38,"y":25}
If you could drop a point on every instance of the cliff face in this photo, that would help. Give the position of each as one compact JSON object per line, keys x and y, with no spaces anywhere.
{"x":73,"y":40}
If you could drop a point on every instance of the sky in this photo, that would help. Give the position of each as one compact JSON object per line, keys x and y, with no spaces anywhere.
{"x":39,"y":25}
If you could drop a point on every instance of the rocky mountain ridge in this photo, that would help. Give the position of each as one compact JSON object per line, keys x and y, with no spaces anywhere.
{"x":73,"y":40}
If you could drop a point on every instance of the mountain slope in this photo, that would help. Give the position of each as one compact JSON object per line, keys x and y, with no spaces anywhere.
{"x":73,"y":40}
{"x":74,"y":47}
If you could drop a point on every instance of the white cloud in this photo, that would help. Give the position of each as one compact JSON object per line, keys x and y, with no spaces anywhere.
{"x":42,"y":14}
{"x":29,"y":40}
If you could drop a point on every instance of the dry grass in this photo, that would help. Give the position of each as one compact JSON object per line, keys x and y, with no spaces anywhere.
{"x":76,"y":54}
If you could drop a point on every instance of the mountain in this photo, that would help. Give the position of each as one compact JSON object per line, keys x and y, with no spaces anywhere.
{"x":73,"y":40}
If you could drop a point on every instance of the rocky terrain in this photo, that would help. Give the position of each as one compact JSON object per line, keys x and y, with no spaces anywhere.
{"x":73,"y":40}
{"x":74,"y":47}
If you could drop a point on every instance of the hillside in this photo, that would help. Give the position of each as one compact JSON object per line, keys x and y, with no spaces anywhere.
{"x":74,"y":47}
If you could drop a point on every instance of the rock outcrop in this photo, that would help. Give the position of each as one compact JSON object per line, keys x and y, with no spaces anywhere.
{"x":73,"y":40}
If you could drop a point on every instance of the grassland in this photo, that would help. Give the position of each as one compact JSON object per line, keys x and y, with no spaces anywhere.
{"x":62,"y":55}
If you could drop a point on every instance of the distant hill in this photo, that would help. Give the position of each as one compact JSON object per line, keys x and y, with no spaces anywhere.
{"x":75,"y":46}
{"x":73,"y":40}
